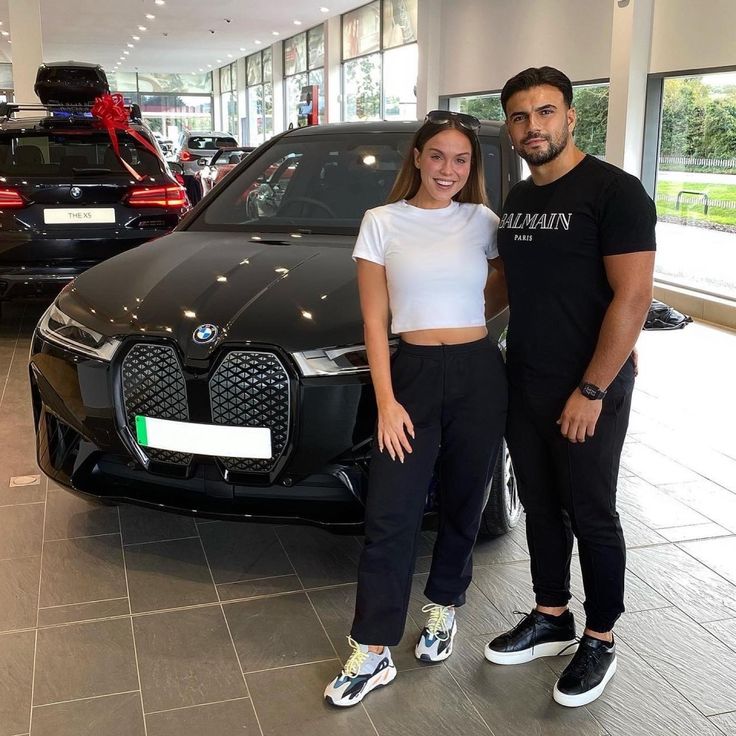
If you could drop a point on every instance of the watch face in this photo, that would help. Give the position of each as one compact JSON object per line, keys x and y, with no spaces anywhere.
{"x":591,"y":392}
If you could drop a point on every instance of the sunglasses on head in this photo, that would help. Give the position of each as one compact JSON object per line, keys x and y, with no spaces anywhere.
{"x":443,"y":117}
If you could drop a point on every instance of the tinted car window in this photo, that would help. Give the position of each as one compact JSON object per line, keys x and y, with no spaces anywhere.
{"x":321,"y":183}
{"x":208,"y":142}
{"x":71,"y":154}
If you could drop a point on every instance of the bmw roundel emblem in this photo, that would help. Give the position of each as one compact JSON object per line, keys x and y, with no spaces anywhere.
{"x":76,"y":192}
{"x":205,"y":334}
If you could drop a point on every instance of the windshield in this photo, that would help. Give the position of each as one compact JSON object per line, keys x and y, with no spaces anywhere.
{"x":323,"y":183}
{"x":72,"y":154}
{"x":209,"y":143}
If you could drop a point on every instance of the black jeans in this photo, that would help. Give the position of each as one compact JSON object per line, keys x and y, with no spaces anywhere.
{"x":456,"y":397}
{"x":569,"y":488}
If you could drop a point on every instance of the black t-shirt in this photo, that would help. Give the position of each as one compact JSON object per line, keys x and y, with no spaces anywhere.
{"x":552,"y":239}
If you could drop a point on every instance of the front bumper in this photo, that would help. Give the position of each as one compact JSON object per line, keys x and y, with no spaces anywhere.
{"x":83,"y":444}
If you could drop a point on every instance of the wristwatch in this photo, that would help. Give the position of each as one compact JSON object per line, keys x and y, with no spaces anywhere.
{"x":591,"y":391}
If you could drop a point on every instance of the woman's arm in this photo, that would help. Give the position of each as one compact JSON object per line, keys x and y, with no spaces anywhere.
{"x":393,"y":420}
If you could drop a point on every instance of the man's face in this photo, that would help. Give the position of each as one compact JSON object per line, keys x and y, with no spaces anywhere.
{"x":539,"y":123}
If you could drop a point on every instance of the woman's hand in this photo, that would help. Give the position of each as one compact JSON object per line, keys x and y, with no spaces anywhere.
{"x":394,"y":429}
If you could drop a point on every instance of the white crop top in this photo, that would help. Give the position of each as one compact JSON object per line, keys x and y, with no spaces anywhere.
{"x":436,"y":261}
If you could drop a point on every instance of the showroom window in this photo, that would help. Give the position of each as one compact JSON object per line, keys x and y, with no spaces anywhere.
{"x":170,"y":103}
{"x":304,"y":58}
{"x":229,"y":99}
{"x":380,"y":61}
{"x":590,"y":100}
{"x":259,"y":93}
{"x":696,"y":183}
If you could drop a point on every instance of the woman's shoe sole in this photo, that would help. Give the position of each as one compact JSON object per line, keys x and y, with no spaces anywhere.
{"x":550,"y":649}
{"x":575,"y":701}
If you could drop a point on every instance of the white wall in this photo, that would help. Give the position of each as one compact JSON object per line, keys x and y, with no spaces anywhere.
{"x":693,"y":34}
{"x":484,"y":42}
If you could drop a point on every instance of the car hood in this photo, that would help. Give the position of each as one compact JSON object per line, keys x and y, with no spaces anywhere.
{"x":298,"y":293}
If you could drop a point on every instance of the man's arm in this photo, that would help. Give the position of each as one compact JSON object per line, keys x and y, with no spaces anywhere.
{"x":630,"y":276}
{"x":496,"y":294}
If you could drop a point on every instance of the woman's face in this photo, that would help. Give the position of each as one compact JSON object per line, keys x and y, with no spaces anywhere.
{"x":444,"y":166}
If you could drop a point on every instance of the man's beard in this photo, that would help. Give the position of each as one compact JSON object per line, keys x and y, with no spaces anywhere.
{"x":539,"y":158}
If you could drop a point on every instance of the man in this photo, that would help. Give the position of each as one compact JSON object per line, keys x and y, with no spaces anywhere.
{"x":577,"y":242}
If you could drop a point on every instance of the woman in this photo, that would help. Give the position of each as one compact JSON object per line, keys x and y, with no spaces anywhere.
{"x":423,"y":258}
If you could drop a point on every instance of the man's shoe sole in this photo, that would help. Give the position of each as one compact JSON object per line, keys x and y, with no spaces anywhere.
{"x":385,"y":678}
{"x":575,"y":701}
{"x":549,"y":649}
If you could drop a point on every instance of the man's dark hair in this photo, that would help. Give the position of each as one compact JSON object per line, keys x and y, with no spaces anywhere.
{"x":534,"y":77}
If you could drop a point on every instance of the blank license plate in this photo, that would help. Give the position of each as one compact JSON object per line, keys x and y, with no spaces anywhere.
{"x":79,"y":216}
{"x":204,"y":439}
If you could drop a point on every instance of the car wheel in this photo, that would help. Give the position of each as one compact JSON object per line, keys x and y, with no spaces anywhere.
{"x":503,"y":507}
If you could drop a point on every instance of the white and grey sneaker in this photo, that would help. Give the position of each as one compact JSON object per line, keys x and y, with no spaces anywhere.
{"x":364,"y":671}
{"x":435,"y":641}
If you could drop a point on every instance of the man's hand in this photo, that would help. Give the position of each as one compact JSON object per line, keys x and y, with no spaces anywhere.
{"x":635,"y":361}
{"x":579,"y":417}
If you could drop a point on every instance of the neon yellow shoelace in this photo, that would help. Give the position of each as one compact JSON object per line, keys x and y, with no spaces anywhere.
{"x":438,"y":620}
{"x":355,"y":660}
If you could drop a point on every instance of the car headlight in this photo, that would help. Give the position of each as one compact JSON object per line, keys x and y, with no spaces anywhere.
{"x":60,"y":328}
{"x":336,"y":361}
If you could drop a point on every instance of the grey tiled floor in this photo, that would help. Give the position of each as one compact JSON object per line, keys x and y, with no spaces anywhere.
{"x":116,"y":621}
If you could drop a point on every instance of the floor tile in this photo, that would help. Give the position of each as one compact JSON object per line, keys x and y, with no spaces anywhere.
{"x":21,"y":494}
{"x":289,"y":701}
{"x":16,"y":676}
{"x":636,"y":532}
{"x":168,"y":575}
{"x":278,"y":631}
{"x":186,"y":658}
{"x":77,"y":612}
{"x":654,"y":467}
{"x":234,"y":718}
{"x":68,"y":516}
{"x":335,"y":608}
{"x":499,"y":549}
{"x":424,"y":701}
{"x":112,"y":715}
{"x":243,"y":552}
{"x":516,"y":701}
{"x":21,"y":531}
{"x":319,"y":557}
{"x":694,"y":532}
{"x":150,"y":525}
{"x":654,"y":507}
{"x":259,"y":587}
{"x":84,"y":660}
{"x":19,"y":592}
{"x":709,"y":499}
{"x":508,"y":587}
{"x":666,"y":638}
{"x":725,"y":631}
{"x":718,"y":554}
{"x":688,"y":584}
{"x":82,"y":570}
{"x":726,"y":722}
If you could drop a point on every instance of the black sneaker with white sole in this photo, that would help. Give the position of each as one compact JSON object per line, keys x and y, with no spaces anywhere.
{"x":585,"y":678}
{"x":536,"y":635}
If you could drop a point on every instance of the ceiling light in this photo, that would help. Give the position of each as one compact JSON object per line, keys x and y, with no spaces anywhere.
{"x":131,"y":45}
{"x":258,"y":43}
{"x":5,"y":33}
{"x":201,"y":70}
{"x":150,"y":16}
{"x":275,"y":33}
{"x":160,"y":2}
{"x":297,"y":22}
{"x":324,"y":10}
{"x":209,"y":66}
{"x":136,"y":38}
{"x":122,"y":58}
{"x":219,"y":61}
{"x":242,"y":48}
{"x":127,"y":53}
{"x":229,"y":56}
{"x":142,"y":28}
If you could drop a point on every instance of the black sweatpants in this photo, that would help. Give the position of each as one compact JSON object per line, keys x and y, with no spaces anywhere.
{"x":456,"y":397}
{"x":569,"y":488}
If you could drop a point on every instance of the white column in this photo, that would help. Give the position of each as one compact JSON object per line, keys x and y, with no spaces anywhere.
{"x":277,"y":65}
{"x":25,"y":31}
{"x":216,"y":101}
{"x":631,"y":43}
{"x":333,"y":70}
{"x":242,"y":100}
{"x":429,"y":38}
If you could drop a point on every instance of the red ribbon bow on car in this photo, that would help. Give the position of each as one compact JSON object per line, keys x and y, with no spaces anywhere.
{"x":112,"y":113}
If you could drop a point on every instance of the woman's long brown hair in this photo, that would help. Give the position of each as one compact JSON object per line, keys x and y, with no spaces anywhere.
{"x":409,"y":178}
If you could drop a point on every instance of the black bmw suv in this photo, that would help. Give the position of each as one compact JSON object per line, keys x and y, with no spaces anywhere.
{"x":67,"y":201}
{"x":221,"y":370}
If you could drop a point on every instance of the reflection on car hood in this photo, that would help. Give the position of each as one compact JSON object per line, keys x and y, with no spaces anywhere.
{"x":300,"y":295}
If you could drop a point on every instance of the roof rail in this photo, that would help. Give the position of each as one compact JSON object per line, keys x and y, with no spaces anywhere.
{"x":72,"y":112}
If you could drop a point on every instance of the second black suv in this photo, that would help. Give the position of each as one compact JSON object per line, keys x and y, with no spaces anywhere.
{"x":67,"y":201}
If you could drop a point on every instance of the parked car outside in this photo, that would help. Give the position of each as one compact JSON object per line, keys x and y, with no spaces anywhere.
{"x":221,"y":164}
{"x":221,"y":370}
{"x":67,"y":200}
{"x":193,"y":146}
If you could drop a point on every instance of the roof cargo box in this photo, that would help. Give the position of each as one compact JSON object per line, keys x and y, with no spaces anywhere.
{"x":70,"y":82}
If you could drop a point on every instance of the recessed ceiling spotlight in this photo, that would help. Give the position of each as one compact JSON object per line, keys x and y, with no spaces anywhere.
{"x":297,"y":22}
{"x":258,"y":43}
{"x":324,"y":10}
{"x":127,"y":53}
{"x":136,"y":38}
{"x":122,"y":58}
{"x":131,"y":45}
{"x":242,"y":48}
{"x":275,"y":33}
{"x":219,"y":61}
{"x":229,"y":56}
{"x":142,"y":28}
{"x":209,"y":66}
{"x":160,"y":2}
{"x":201,"y":69}
{"x":150,"y":16}
{"x":5,"y":33}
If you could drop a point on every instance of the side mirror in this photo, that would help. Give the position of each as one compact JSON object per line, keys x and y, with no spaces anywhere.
{"x":176,"y":168}
{"x":202,"y":162}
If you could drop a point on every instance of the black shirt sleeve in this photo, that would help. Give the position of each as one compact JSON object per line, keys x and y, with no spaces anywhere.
{"x":628,"y":217}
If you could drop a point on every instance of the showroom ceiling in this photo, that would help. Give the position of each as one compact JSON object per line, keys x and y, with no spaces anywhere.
{"x":179,"y":39}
